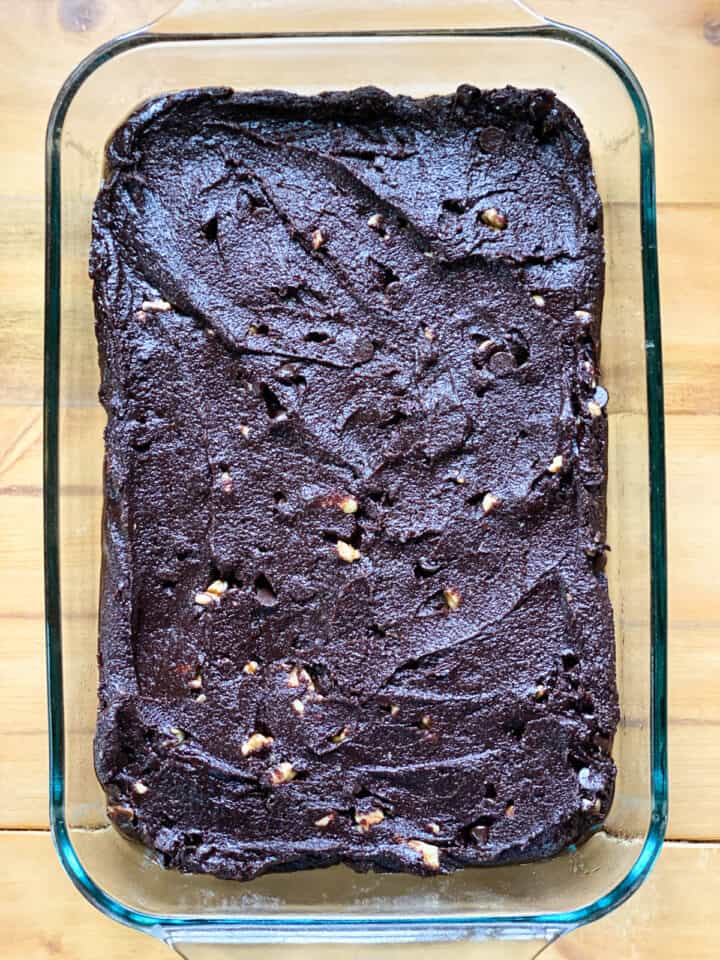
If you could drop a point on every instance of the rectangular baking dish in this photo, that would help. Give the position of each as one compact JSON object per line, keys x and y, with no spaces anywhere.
{"x":416,"y":49}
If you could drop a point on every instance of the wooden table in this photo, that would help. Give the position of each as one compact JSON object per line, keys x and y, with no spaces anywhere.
{"x":674,"y":45}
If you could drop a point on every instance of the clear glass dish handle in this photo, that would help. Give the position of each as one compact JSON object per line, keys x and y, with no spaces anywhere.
{"x":488,"y":949}
{"x":289,"y":16}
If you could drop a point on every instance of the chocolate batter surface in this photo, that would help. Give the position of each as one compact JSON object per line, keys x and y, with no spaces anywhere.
{"x":353,"y":607}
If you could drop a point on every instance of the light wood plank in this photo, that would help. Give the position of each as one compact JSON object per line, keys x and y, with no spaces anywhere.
{"x":20,"y":448}
{"x":674,"y":915}
{"x":689,"y":283}
{"x":690,"y":279}
{"x":665,"y":43}
{"x":21,"y":270}
{"x":693,"y":510}
{"x":23,"y":730}
{"x":666,"y":46}
{"x":671,"y":55}
{"x":42,"y":916}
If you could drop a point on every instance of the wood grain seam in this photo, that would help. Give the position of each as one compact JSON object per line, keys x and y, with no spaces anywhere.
{"x":712,"y":843}
{"x":35,"y":490}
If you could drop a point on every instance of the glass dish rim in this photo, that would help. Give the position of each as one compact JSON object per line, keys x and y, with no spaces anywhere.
{"x":558,"y":921}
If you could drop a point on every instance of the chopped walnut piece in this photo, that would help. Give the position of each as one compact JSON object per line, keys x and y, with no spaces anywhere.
{"x":226,"y":482}
{"x":180,"y":735}
{"x":459,"y":479}
{"x":434,"y":827}
{"x":283,"y":773}
{"x":244,"y":430}
{"x":394,"y":710}
{"x":319,"y":239}
{"x":349,"y":504}
{"x":251,"y":667}
{"x":452,"y":598}
{"x":490,"y":502}
{"x":370,"y":819}
{"x":430,"y":854}
{"x":583,"y":316}
{"x":298,"y":707}
{"x":426,"y":721}
{"x":541,"y":692}
{"x":538,"y":300}
{"x":325,"y":821}
{"x":557,"y":464}
{"x":594,"y":409}
{"x":298,"y":676}
{"x":120,"y":813}
{"x":429,"y":333}
{"x":201,"y":698}
{"x":217,"y":588}
{"x":211,"y":594}
{"x":510,"y":810}
{"x":157,"y":305}
{"x":196,"y":682}
{"x":255,"y":743}
{"x":493,"y":218}
{"x":340,"y":735}
{"x":376,"y":221}
{"x":139,"y":787}
{"x":347,"y":552}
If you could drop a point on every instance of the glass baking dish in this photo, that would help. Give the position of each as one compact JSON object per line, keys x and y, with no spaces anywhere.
{"x":417,"y":49}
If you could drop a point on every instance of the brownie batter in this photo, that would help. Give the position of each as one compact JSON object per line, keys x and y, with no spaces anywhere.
{"x":353,"y":605}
